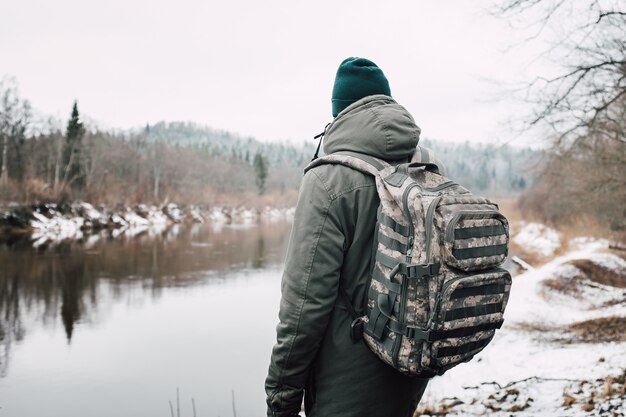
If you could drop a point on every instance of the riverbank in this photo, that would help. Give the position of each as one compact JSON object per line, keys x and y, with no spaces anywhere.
{"x":562,"y":349}
{"x":73,"y":221}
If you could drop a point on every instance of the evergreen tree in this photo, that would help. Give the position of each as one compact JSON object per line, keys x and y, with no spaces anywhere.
{"x":72,"y":155}
{"x":260,"y":171}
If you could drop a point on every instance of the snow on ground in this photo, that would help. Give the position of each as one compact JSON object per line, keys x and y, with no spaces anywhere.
{"x":217,"y":215}
{"x":531,"y":302}
{"x":174,"y":213}
{"x":90,"y":213}
{"x":52,"y":224}
{"x":534,"y":367}
{"x":537,"y":238}
{"x":56,"y":227}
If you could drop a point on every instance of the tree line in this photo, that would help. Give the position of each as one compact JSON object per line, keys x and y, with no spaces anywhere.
{"x":495,"y":171}
{"x":145,"y":166}
{"x":188,"y":163}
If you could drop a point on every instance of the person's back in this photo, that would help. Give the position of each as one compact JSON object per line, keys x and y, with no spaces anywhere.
{"x":331,"y":245}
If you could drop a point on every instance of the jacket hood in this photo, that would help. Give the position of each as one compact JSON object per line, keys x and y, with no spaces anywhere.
{"x":375,"y":125}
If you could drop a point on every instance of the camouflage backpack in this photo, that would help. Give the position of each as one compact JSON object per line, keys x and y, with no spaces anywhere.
{"x":437,"y":294}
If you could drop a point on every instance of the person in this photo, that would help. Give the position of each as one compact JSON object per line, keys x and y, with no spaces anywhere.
{"x":331,"y":245}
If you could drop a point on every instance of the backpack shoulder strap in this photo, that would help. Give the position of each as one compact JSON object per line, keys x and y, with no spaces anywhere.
{"x":366,"y":164}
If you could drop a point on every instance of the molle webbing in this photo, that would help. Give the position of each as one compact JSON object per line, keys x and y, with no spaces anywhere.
{"x":477,"y":252}
{"x":473,"y":311}
{"x":479,"y":231}
{"x":461,"y":349}
{"x":408,"y":270}
{"x":393,"y":225}
{"x":386,"y":260}
{"x":489,"y":289}
{"x":392,"y":243}
{"x":417,"y":333}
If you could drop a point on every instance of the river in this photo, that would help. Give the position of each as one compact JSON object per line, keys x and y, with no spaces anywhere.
{"x":108,"y":327}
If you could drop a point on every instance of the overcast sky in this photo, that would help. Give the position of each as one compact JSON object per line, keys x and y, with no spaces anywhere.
{"x":260,"y":68}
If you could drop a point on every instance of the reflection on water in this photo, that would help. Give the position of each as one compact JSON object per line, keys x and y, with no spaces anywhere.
{"x":82,"y":285}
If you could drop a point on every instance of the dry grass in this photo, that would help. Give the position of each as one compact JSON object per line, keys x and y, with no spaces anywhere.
{"x":606,"y":394}
{"x":600,"y":274}
{"x":587,"y":271}
{"x":563,"y":285}
{"x":614,"y":386}
{"x":442,"y":408}
{"x":605,"y":329}
{"x":579,"y":225}
{"x":588,"y":227}
{"x":509,"y":207}
{"x":532,"y":327}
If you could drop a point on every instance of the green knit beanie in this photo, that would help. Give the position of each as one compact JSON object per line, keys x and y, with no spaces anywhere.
{"x":357,"y":78}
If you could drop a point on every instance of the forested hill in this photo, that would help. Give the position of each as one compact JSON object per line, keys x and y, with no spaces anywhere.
{"x":222,"y":143}
{"x":495,"y":170}
{"x":488,"y":169}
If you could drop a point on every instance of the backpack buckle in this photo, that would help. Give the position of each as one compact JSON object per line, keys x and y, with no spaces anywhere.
{"x":433,"y":269}
{"x":417,"y":333}
{"x":419,"y":271}
{"x":356,"y":330}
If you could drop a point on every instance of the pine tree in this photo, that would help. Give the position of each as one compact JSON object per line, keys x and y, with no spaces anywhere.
{"x":260,"y":170}
{"x":72,"y":157}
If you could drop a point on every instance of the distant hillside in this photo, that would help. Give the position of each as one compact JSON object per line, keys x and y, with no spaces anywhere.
{"x":488,"y":169}
{"x":222,"y":143}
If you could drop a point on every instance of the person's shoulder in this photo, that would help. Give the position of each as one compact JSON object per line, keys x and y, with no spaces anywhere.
{"x":339,"y":179}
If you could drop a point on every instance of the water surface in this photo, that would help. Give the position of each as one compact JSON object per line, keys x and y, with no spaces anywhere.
{"x":112,"y":327}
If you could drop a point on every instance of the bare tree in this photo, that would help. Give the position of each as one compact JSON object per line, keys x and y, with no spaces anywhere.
{"x":156,"y":152}
{"x":586,"y":41}
{"x":15,"y":116}
{"x":583,"y":105}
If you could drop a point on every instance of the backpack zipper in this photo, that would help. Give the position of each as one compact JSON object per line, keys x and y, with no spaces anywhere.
{"x":407,"y":214}
{"x":430,"y":219}
{"x":404,"y":289}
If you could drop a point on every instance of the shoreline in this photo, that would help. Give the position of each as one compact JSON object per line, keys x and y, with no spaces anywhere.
{"x":73,"y":221}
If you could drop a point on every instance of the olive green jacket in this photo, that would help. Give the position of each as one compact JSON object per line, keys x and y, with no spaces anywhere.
{"x":331,"y":243}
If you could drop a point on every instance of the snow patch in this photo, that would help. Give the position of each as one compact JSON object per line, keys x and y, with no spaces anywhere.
{"x":538,"y":238}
